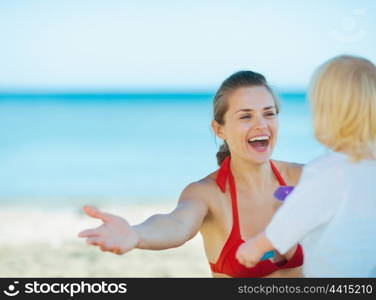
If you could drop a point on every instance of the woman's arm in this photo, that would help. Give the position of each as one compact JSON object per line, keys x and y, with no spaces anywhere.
{"x":161,"y":231}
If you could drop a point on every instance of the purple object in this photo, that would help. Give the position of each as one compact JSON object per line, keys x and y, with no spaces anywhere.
{"x":282,"y":192}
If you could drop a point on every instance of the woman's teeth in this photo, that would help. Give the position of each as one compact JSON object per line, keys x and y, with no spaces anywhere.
{"x":259,"y":138}
{"x":259,"y":143}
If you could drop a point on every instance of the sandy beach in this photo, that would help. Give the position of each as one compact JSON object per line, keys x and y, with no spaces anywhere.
{"x":43,"y":242}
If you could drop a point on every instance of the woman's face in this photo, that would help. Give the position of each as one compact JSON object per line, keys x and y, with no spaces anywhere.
{"x":251,"y":124}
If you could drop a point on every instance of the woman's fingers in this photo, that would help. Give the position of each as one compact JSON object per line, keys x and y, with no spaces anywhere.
{"x":94,"y":212}
{"x":98,"y":241}
{"x":105,"y":246}
{"x":109,"y":247}
{"x":89,"y":233}
{"x":93,"y":232}
{"x":116,"y":250}
{"x":95,"y":241}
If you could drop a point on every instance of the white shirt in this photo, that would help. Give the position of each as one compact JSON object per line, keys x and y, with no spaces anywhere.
{"x":332,"y":212}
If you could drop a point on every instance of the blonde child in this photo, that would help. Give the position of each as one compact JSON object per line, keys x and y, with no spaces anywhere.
{"x":333,"y":208}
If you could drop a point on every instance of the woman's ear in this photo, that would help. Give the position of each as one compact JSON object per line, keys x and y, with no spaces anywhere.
{"x":218,"y":129}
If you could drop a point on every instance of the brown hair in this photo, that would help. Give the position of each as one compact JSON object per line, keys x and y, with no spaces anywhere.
{"x":220,"y":104}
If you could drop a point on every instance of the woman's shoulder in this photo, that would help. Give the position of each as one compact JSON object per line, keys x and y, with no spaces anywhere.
{"x":204,"y":187}
{"x":290,"y":171}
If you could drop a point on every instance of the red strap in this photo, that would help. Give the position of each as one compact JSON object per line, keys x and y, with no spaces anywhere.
{"x":223,"y":173}
{"x":225,"y":170}
{"x":235,"y":216}
{"x":276,"y":173}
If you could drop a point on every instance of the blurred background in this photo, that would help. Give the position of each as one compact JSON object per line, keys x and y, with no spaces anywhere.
{"x":110,"y":103}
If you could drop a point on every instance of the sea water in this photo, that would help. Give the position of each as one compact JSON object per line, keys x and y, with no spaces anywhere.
{"x":132,"y":147}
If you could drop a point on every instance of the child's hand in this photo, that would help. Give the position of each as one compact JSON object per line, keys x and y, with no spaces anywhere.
{"x":248,"y":254}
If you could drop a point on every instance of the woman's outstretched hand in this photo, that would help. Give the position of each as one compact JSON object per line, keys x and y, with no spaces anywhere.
{"x":114,"y":235}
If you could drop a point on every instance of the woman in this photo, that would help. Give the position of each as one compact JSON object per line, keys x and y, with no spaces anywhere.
{"x":245,"y":117}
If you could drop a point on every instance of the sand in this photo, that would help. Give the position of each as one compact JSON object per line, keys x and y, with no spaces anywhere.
{"x":43,"y":242}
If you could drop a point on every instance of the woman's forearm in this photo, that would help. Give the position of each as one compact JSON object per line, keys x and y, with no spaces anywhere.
{"x":162,"y":231}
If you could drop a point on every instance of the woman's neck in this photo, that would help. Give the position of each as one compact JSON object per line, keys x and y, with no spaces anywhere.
{"x":248,"y":175}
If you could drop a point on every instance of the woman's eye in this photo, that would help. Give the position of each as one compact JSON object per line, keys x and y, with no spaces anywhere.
{"x":245,"y":117}
{"x":270,"y":114}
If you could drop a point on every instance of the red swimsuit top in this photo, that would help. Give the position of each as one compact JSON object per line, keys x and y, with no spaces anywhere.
{"x":227,"y":263}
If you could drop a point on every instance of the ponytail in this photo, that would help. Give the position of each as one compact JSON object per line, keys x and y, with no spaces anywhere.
{"x":222,"y":153}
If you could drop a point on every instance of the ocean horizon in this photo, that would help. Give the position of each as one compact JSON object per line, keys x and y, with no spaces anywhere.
{"x":129,"y":146}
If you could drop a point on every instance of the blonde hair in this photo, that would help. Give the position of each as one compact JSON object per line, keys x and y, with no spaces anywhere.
{"x":343,"y":102}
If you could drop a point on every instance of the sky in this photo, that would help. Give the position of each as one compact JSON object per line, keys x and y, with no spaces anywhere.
{"x":166,"y":45}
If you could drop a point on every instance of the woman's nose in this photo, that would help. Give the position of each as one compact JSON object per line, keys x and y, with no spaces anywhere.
{"x":260,"y":123}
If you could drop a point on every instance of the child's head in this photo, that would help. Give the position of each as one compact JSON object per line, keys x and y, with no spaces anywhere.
{"x":343,"y":101}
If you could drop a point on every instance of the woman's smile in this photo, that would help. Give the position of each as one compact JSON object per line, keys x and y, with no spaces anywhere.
{"x":259,"y":143}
